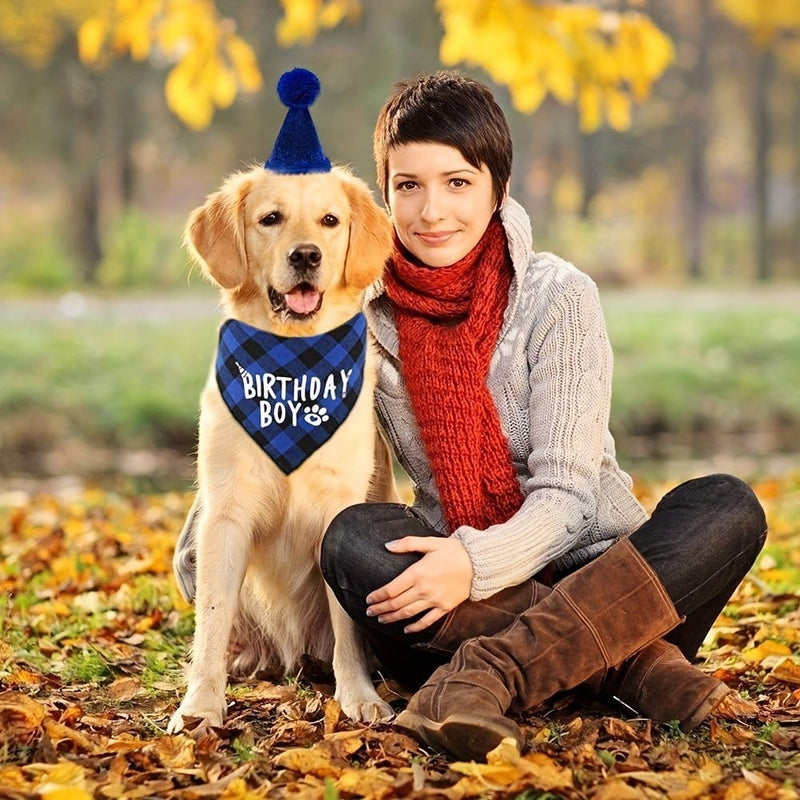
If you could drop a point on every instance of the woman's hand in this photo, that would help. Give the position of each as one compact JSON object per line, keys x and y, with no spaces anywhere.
{"x":437,"y":583}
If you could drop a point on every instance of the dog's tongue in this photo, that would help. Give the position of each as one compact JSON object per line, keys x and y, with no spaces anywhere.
{"x":302,"y":299}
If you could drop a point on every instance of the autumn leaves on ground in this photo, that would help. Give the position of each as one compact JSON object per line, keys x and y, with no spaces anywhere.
{"x":93,"y":635}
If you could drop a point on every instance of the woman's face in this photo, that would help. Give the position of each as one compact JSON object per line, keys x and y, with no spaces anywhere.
{"x":440,"y":204}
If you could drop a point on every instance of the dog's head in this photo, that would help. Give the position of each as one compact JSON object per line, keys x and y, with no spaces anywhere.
{"x":291,"y":253}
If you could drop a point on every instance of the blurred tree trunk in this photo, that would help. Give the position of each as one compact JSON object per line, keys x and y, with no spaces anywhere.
{"x":124,"y":140}
{"x":100,"y":122}
{"x":87,"y":120}
{"x":589,"y":145}
{"x":125,"y":84}
{"x":763,"y":141}
{"x":699,"y":103}
{"x":80,"y":120}
{"x":796,"y":137}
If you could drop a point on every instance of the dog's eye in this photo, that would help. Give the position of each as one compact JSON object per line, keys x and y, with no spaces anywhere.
{"x":330,"y":221}
{"x":273,"y":218}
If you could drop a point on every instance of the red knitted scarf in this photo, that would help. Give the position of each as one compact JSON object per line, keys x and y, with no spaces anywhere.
{"x":448,"y":321}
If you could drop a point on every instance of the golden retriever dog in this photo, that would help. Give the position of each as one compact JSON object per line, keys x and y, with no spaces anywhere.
{"x":291,"y":255}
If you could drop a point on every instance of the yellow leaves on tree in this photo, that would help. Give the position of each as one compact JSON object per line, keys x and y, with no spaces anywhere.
{"x":764,"y":21}
{"x":602,"y":60}
{"x":34,"y":32}
{"x":303,"y":19}
{"x":212,"y":63}
{"x":774,"y":25}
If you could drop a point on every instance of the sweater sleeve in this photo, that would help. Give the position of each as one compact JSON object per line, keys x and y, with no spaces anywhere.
{"x":570,"y":370}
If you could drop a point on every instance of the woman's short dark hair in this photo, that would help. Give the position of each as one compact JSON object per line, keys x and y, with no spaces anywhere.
{"x":448,"y":108}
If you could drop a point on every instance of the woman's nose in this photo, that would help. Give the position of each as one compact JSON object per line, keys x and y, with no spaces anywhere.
{"x":433,"y":208}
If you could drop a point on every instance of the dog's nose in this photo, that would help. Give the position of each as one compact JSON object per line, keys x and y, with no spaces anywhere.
{"x":305,"y":256}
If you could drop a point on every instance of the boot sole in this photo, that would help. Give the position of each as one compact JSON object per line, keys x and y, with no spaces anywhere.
{"x":705,"y":708}
{"x":467,"y":738}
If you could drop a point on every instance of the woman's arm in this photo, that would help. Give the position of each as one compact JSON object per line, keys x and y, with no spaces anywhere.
{"x":570,"y":371}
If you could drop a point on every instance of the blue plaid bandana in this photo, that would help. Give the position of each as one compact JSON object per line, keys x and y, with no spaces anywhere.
{"x":291,"y":393}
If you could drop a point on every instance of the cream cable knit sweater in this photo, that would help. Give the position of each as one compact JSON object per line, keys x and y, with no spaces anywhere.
{"x":550,"y":377}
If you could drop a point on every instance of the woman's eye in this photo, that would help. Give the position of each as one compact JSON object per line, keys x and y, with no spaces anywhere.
{"x":273,"y":218}
{"x":406,"y":186}
{"x":459,"y":183}
{"x":330,"y":221}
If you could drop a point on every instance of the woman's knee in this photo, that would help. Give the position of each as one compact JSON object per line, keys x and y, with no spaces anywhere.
{"x":737,"y":506}
{"x":739,"y":497}
{"x":344,"y":540}
{"x":354,"y":557}
{"x":717,"y":516}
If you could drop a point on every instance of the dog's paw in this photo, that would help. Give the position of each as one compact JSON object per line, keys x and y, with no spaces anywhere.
{"x":367,"y":709}
{"x":188,"y":713}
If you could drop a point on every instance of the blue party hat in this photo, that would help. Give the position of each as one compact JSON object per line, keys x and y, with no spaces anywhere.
{"x":297,"y":148}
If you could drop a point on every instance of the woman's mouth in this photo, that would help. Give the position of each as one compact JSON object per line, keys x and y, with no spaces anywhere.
{"x":434,"y":239}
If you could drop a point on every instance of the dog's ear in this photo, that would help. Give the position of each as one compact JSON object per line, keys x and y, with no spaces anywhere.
{"x":370,"y":235}
{"x":214,"y":234}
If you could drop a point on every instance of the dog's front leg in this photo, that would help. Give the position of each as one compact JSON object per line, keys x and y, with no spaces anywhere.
{"x":354,"y":689}
{"x":223,"y":545}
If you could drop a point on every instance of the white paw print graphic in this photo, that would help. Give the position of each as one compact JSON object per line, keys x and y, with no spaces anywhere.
{"x":316,"y":415}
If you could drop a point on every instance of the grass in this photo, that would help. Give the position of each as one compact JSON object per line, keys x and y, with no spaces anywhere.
{"x":692,"y":368}
{"x":684,"y":367}
{"x":131,"y":381}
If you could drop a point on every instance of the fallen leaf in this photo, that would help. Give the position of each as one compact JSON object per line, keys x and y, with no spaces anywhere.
{"x":12,"y":779}
{"x":739,"y":790}
{"x":505,"y":765}
{"x":332,"y":711}
{"x":343,"y":744}
{"x":173,"y":752}
{"x":62,"y":781}
{"x":616,"y":789}
{"x":308,"y":760}
{"x":756,"y":655}
{"x":371,"y":782}
{"x":619,"y":729}
{"x":237,"y":789}
{"x":54,"y":792}
{"x":124,"y":689}
{"x":60,"y":733}
{"x":20,"y":716}
{"x":24,"y":677}
{"x":785,"y":671}
{"x":734,"y":706}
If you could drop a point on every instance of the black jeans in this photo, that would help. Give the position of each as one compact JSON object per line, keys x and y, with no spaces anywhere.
{"x":701,"y":540}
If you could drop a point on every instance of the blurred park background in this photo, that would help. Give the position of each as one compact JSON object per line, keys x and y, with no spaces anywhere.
{"x":657,"y":146}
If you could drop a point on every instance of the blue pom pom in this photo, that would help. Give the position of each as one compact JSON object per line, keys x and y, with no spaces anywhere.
{"x":298,"y":88}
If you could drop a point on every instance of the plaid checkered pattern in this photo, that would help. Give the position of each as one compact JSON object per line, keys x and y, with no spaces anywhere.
{"x":291,"y":394}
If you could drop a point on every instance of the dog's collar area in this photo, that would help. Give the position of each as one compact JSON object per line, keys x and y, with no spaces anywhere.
{"x":301,"y":303}
{"x":291,"y":393}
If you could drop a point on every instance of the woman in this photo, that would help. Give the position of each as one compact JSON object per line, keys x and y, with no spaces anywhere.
{"x":494,"y":392}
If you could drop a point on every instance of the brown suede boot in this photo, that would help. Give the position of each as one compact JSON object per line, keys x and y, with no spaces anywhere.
{"x":485,"y":617}
{"x":660,"y":684}
{"x":593,"y":620}
{"x":480,"y":696}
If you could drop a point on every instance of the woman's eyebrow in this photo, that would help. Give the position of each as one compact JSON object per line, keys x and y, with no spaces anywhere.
{"x":471,"y":170}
